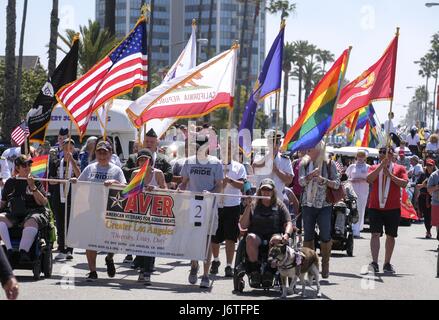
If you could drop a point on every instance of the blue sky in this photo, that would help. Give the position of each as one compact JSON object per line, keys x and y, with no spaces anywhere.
{"x":334,"y":25}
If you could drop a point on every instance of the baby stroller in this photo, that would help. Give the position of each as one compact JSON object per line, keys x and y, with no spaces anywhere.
{"x":344,"y":214}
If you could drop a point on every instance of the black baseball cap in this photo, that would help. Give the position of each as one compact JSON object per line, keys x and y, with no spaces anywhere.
{"x":22,"y":160}
{"x":201,"y":139}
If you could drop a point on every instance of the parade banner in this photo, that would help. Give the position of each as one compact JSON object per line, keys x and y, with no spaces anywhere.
{"x":159,"y":224}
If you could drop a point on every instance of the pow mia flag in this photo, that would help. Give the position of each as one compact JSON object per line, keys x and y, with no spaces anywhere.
{"x":38,"y":117}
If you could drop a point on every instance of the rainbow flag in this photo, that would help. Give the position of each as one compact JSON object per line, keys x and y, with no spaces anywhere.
{"x":39,"y":166}
{"x":316,"y":117}
{"x":370,"y":139}
{"x":136,"y":184}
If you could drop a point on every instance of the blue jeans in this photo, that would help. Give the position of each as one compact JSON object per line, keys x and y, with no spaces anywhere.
{"x":321,"y":216}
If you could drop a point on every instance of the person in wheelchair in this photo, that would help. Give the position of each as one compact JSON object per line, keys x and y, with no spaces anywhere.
{"x":264,"y":218}
{"x":23,"y":205}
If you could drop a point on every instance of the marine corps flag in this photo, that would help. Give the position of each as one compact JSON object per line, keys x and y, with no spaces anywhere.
{"x":376,"y":83}
{"x":38,"y":117}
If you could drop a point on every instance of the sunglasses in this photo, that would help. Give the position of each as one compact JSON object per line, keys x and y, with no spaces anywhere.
{"x":26,"y":165}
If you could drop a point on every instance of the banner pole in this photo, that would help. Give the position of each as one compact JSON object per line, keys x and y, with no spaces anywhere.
{"x":67,"y":189}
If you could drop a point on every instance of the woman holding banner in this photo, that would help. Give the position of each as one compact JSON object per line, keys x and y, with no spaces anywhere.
{"x":154,"y":178}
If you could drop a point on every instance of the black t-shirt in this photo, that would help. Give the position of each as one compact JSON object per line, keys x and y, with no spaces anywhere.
{"x":20,"y":189}
{"x":421,"y":179}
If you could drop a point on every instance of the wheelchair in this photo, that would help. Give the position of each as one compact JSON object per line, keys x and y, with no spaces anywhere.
{"x":267,"y":274}
{"x":40,"y":253}
{"x":344,"y":214}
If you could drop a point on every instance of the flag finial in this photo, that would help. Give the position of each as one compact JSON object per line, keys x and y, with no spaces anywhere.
{"x":194,"y":23}
{"x":283,"y":24}
{"x":75,"y":37}
{"x":397,"y":31}
{"x":235,"y":44}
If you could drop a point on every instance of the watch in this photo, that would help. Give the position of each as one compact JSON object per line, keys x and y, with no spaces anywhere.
{"x":34,"y":189}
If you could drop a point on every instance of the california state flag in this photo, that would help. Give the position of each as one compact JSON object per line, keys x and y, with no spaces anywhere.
{"x":196,"y":93}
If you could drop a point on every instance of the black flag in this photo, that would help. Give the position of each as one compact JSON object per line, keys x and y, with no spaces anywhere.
{"x":38,"y":117}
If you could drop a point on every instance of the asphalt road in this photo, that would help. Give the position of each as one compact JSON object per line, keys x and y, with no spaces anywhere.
{"x":414,"y":259}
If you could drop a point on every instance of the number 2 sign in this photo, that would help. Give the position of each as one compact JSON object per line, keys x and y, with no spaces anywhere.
{"x":197,"y":211}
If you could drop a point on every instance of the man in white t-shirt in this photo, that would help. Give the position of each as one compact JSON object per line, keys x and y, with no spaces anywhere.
{"x":229,"y":211}
{"x":415,"y":170}
{"x":280,"y":170}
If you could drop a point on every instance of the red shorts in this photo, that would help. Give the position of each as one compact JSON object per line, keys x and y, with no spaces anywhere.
{"x":435,"y":216}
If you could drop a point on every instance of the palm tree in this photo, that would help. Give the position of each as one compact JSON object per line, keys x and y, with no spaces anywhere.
{"x":312,"y":75}
{"x":434,"y":51}
{"x":110,"y":16}
{"x":325,"y":57}
{"x":283,"y":6}
{"x":309,"y":69}
{"x":20,"y":63}
{"x":250,"y":49}
{"x":288,"y":59}
{"x":95,"y":44}
{"x":239,"y":78}
{"x":302,"y":50}
{"x":9,"y":118}
{"x":426,"y":71}
{"x":54,"y":23}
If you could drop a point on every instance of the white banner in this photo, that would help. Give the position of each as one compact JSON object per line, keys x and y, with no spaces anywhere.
{"x":168,"y":225}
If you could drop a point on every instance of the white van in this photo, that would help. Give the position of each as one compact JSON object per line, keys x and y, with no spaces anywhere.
{"x":119,"y":127}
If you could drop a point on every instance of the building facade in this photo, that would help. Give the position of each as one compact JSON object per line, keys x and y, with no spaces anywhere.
{"x":173,"y":26}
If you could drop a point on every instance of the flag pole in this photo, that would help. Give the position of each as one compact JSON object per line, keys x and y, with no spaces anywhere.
{"x":391,"y":104}
{"x":67,"y":189}
{"x":338,"y":94}
{"x":277,"y":101}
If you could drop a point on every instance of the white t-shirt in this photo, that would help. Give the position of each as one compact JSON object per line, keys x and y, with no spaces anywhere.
{"x":235,"y":171}
{"x":388,"y":127}
{"x":283,"y":164}
{"x":432,"y":146}
{"x":416,"y":171}
{"x":11,"y":154}
{"x":413,"y":141}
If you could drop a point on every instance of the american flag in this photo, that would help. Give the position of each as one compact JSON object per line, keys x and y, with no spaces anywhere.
{"x":123,"y":69}
{"x":20,"y":133}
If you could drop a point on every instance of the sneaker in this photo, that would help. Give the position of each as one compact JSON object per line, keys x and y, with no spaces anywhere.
{"x":61,"y":256}
{"x":205,"y":282}
{"x":388,"y":268}
{"x":428,"y":235}
{"x":92,"y":276}
{"x":193,"y":275}
{"x":24,"y":257}
{"x":214,"y":267}
{"x":69,"y":256}
{"x":228,"y":272}
{"x":128,"y":259}
{"x":374,"y":267}
{"x":147,"y":279}
{"x":111,"y":270}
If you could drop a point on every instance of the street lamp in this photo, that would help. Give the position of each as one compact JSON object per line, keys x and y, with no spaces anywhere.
{"x":431,"y":4}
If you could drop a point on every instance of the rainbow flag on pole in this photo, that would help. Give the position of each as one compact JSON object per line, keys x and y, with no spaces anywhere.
{"x":39,"y":166}
{"x":136,"y":184}
{"x":315,"y":119}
